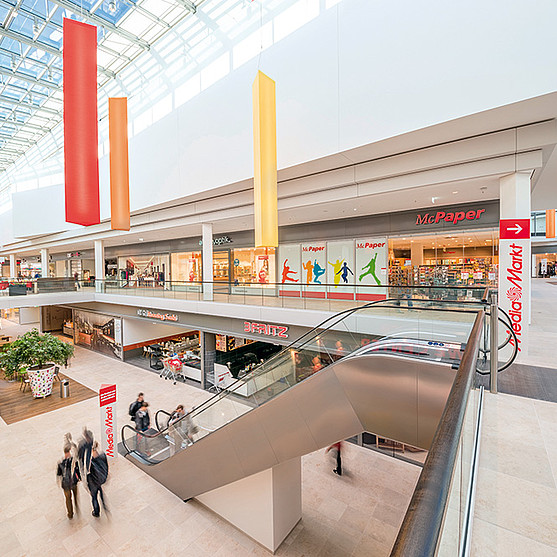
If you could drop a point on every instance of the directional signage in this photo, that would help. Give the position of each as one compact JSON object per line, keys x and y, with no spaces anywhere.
{"x":514,"y":229}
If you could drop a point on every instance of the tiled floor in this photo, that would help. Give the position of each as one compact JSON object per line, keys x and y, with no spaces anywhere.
{"x":357,"y":514}
{"x":516,"y":497}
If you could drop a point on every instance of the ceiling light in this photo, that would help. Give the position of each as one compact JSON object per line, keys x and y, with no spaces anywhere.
{"x":455,"y":192}
{"x":141,"y":239}
{"x":112,"y":6}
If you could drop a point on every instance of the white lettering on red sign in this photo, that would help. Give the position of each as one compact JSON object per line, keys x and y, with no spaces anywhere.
{"x":455,"y":218}
{"x":107,"y":401}
{"x":514,"y":292}
{"x":266,"y":329}
{"x":109,"y":432}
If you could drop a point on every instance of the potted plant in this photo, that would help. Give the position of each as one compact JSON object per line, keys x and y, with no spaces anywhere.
{"x":38,"y":354}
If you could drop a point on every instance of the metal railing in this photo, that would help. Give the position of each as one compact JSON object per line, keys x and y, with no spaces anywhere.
{"x":421,"y":531}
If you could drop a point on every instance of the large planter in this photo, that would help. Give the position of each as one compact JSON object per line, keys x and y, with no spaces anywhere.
{"x":41,"y":381}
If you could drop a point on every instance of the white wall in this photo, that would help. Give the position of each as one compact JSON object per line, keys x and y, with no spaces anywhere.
{"x":137,"y":330}
{"x":30,"y":315}
{"x":358,"y":72}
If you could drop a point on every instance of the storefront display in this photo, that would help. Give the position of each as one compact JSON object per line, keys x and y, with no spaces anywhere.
{"x":102,"y":333}
{"x":147,"y":271}
{"x":254,"y":265}
{"x":186,"y":267}
{"x":221,"y":266}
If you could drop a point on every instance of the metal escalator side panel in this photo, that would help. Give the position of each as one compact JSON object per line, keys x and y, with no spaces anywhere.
{"x":402,"y":398}
{"x":338,"y":402}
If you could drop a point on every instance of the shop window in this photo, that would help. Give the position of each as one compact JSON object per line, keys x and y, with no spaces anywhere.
{"x":149,"y":271}
{"x":254,"y":266}
{"x":186,"y":266}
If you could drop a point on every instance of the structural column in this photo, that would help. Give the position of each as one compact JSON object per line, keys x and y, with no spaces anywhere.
{"x":207,"y":258}
{"x":44,"y":263}
{"x":515,"y":253}
{"x":416,"y":253}
{"x":13,"y":265}
{"x":208,"y":355}
{"x":99,"y":266}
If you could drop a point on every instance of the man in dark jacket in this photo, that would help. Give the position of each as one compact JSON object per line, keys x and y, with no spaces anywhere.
{"x":96,"y":478}
{"x":142,"y":419}
{"x":135,"y":406}
{"x":68,"y":473}
{"x":84,"y":450}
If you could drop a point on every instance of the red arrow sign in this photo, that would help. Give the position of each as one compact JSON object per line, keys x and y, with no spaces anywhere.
{"x":514,"y":229}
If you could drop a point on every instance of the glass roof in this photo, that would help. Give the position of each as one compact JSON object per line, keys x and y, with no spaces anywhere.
{"x":31,"y":56}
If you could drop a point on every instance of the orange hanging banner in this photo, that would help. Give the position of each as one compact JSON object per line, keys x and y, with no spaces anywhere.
{"x":119,"y":166}
{"x":550,"y":223}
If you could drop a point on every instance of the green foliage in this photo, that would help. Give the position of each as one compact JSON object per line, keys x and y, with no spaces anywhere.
{"x":34,"y":350}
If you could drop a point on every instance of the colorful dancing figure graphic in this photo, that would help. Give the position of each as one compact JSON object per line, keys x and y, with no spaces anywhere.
{"x":343,"y":272}
{"x":308,"y":266}
{"x":287,"y":271}
{"x":370,"y":270}
{"x":337,"y":265}
{"x":317,"y":272}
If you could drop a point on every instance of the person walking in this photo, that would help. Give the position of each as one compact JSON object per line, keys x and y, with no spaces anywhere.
{"x":336,"y":448}
{"x":68,"y":474}
{"x":135,"y":406}
{"x":84,"y":452}
{"x":96,"y":478}
{"x":174,"y":426}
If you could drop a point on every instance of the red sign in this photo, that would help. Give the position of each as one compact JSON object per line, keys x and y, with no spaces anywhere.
{"x":107,"y":395}
{"x":514,"y":229}
{"x":448,"y":216}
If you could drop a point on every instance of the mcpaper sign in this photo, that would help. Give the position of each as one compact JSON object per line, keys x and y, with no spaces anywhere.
{"x":450,"y":217}
{"x":107,"y":403}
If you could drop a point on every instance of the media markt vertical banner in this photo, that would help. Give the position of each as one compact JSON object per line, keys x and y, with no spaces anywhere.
{"x":371,"y":269}
{"x":514,"y":276}
{"x":107,"y":403}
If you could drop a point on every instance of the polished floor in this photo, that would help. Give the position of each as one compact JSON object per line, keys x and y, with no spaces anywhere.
{"x":355,"y":515}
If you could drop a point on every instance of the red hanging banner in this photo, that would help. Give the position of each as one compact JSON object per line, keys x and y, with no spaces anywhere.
{"x":81,"y":162}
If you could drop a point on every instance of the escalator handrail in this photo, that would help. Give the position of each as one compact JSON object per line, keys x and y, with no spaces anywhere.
{"x":164,"y":430}
{"x":421,"y":527}
{"x":320,"y":327}
{"x":157,"y":418}
{"x":296,"y":343}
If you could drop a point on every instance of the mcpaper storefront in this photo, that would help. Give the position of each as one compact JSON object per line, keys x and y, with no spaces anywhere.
{"x":357,"y":258}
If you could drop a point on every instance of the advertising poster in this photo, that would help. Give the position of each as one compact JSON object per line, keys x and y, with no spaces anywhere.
{"x":289,"y":275}
{"x":371,"y":268}
{"x":314,"y":269}
{"x":340,"y":270}
{"x":101,"y":333}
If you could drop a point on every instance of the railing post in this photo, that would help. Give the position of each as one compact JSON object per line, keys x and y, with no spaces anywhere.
{"x":493,"y":343}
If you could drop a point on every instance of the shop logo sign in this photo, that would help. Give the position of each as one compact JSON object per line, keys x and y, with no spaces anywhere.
{"x":514,"y":292}
{"x":156,"y":315}
{"x":107,"y":403}
{"x":455,"y":218}
{"x":219,"y":241}
{"x":266,"y":329}
{"x":369,"y":245}
{"x":313,"y":248}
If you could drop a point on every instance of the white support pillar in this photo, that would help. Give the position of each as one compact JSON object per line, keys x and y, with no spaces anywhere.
{"x":13,"y":265}
{"x":515,"y":254}
{"x":99,"y":266}
{"x":416,"y":253}
{"x":207,"y":258}
{"x":44,"y":263}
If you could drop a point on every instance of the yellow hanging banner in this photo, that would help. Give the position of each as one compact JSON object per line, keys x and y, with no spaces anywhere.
{"x":265,"y":161}
{"x":119,"y":168}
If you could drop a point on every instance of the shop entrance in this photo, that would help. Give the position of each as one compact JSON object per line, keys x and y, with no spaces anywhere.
{"x":446,"y":259}
{"x":221,"y":269}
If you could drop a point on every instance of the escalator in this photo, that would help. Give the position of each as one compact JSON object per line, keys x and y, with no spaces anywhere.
{"x":381,"y":368}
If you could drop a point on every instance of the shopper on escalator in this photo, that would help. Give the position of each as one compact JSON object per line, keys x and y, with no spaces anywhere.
{"x":135,"y":406}
{"x":175,"y":427}
{"x":142,"y":418}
